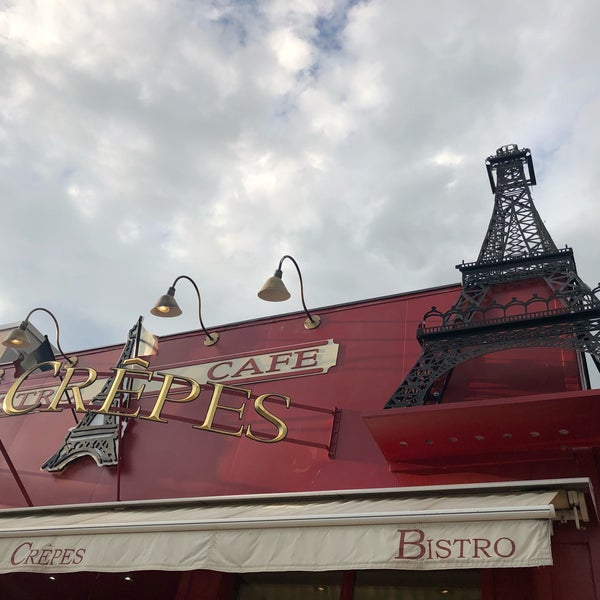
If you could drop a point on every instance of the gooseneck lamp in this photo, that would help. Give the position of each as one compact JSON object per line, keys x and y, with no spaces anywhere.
{"x":167,"y":307}
{"x":274,"y":290}
{"x":18,"y":337}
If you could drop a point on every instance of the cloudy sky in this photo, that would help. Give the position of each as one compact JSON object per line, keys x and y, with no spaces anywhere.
{"x":141,"y":140}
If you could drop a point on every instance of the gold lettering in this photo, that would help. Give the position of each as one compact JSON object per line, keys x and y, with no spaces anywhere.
{"x":163,"y":395}
{"x":303,"y":359}
{"x":8,"y":403}
{"x":214,"y":405}
{"x":65,"y":385}
{"x":115,"y":389}
{"x":269,"y":416}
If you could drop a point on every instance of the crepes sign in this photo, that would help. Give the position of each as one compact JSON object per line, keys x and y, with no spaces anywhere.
{"x":134,"y":391}
{"x":84,"y":382}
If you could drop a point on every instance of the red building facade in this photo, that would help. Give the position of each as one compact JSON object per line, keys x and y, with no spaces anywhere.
{"x":266,"y":466}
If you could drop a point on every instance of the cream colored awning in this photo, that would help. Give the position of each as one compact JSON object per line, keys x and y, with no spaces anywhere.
{"x":409,"y":528}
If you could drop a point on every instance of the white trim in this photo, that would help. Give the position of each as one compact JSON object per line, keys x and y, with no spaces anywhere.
{"x":574,"y":483}
{"x":403,"y":517}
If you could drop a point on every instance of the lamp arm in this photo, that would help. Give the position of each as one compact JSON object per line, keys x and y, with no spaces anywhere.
{"x":57,"y":330}
{"x":199,"y":303}
{"x":310,"y":317}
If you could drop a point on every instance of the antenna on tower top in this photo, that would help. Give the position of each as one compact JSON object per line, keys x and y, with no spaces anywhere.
{"x":510,"y":156}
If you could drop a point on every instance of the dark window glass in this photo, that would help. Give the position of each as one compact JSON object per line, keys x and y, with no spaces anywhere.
{"x":417,"y":585}
{"x":290,"y":586}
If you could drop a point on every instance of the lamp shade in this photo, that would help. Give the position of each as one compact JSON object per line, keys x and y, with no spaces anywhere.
{"x":17,"y":337}
{"x":274,"y":289}
{"x":166,"y":305}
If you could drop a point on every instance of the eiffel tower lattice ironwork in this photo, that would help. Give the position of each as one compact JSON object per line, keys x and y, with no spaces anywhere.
{"x":97,"y":435}
{"x":516,"y":247}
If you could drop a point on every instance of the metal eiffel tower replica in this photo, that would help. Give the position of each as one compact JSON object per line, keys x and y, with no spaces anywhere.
{"x":97,"y":435}
{"x":516,"y":247}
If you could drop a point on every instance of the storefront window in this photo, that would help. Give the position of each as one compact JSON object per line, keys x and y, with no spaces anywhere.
{"x":417,"y":585}
{"x":134,"y":585}
{"x":367,"y":585}
{"x":290,"y":586}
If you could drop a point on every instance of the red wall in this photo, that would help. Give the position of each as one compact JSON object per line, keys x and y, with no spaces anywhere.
{"x":377,"y":347}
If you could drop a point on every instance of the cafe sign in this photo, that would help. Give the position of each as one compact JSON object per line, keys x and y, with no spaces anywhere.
{"x":134,"y":391}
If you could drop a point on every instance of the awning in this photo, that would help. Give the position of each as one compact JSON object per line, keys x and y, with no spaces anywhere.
{"x":488,"y":525}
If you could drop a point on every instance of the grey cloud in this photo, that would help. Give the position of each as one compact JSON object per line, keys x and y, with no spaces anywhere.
{"x":141,"y":141}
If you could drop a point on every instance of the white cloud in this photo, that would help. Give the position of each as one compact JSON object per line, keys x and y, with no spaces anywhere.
{"x":144,"y":140}
{"x":128,"y":232}
{"x":84,"y":201}
{"x":292,"y":52}
{"x":447,"y":158}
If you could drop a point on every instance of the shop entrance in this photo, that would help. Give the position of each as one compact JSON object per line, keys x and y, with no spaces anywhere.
{"x":362,"y":585}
